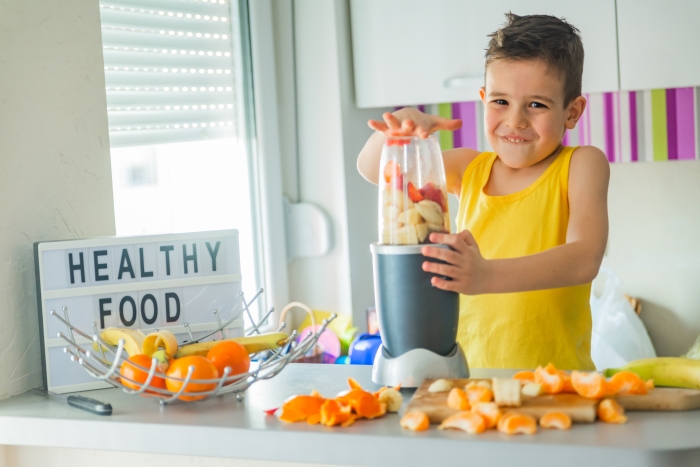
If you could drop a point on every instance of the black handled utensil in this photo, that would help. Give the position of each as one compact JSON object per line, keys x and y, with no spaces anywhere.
{"x":85,"y":403}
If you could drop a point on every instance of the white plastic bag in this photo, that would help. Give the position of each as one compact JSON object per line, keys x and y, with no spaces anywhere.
{"x":619,"y":336}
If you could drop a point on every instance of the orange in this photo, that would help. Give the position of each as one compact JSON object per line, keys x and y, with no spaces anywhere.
{"x":550,"y":378}
{"x":203,"y":369}
{"x":476,"y":394}
{"x":626,"y":382}
{"x":590,"y":385}
{"x":229,"y":354}
{"x":525,"y":377}
{"x":471,"y":422}
{"x":457,"y":399}
{"x":415,"y":421}
{"x":127,"y":370}
{"x":300,"y":408}
{"x":558,"y":420}
{"x":490,"y":411}
{"x":514,"y":423}
{"x":610,"y":411}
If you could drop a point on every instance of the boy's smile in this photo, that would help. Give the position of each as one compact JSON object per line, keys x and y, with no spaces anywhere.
{"x":525,"y":117}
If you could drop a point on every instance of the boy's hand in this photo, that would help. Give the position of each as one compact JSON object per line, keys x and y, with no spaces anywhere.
{"x":466,"y":267}
{"x":411,"y":122}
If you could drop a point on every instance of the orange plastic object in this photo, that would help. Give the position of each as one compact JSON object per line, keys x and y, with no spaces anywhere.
{"x":415,"y":421}
{"x":471,"y":422}
{"x":334,"y":413}
{"x":299,"y":408}
{"x":556,"y":420}
{"x":127,"y":370}
{"x":590,"y":385}
{"x":550,"y":378}
{"x":525,"y":377}
{"x":457,"y":399}
{"x":610,"y":411}
{"x":229,"y":354}
{"x":203,"y":369}
{"x":477,"y":394}
{"x":363,"y":403}
{"x":489,"y":411}
{"x":514,"y":423}
{"x":626,"y":382}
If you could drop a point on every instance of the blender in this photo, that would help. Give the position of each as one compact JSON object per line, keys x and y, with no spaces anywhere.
{"x":417,"y":322}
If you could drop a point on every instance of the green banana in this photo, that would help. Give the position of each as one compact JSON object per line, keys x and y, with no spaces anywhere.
{"x":677,"y":372}
{"x":252,"y":344}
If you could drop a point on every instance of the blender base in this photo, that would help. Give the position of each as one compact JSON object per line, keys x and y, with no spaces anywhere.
{"x":410,"y":369}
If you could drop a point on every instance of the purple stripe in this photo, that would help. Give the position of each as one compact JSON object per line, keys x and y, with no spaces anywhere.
{"x":685,"y":123}
{"x":421,"y":107}
{"x":671,"y":124}
{"x":634,"y":146}
{"x":582,"y":128}
{"x":565,"y":141}
{"x":588,"y":123}
{"x":609,"y":126}
{"x":457,"y":135}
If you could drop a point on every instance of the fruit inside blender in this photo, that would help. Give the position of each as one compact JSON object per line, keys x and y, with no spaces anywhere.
{"x":413,"y":194}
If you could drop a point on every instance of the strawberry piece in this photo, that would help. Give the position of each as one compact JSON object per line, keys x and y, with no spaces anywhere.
{"x":433,"y":193}
{"x":397,"y":141}
{"x":413,"y":193}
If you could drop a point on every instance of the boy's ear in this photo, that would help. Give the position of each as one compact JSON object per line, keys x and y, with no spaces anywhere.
{"x":575,"y":110}
{"x":482,"y":94}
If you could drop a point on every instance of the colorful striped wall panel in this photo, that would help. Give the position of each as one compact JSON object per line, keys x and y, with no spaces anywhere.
{"x":629,"y":126}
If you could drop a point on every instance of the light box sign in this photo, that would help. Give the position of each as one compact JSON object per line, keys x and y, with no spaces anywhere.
{"x":145,"y":282}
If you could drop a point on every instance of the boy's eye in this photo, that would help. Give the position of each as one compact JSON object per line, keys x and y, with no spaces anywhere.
{"x":537,"y":105}
{"x":501,"y":102}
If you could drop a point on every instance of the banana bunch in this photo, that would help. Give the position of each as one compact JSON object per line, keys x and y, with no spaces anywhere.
{"x":677,"y":372}
{"x":252,"y":344}
{"x":133,"y":339}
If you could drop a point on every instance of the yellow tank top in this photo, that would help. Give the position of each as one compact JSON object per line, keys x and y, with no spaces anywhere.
{"x":524,"y":329}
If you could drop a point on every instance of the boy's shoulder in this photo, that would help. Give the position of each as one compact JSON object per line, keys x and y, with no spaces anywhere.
{"x":588,"y":157}
{"x":589,"y":168}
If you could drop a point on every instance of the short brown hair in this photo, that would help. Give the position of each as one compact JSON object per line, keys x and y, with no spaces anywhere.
{"x":541,"y":37}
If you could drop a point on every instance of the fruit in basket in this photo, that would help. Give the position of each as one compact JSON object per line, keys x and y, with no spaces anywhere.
{"x":163,"y":339}
{"x":133,"y":377}
{"x":677,"y":372}
{"x":229,"y":354}
{"x":133,"y":339}
{"x":203,"y":370}
{"x":252,"y":344}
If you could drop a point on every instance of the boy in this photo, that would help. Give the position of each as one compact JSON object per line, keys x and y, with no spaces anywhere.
{"x":532,"y":219}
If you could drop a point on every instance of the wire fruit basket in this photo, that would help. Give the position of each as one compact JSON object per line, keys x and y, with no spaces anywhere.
{"x":104,"y":365}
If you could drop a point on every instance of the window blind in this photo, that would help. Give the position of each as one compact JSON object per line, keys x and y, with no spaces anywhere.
{"x":168,"y":70}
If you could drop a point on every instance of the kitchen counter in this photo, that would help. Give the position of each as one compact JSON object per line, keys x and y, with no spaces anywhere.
{"x":224,"y":427}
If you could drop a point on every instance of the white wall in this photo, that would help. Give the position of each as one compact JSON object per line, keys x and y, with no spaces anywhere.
{"x":654,"y":246}
{"x":55,"y":180}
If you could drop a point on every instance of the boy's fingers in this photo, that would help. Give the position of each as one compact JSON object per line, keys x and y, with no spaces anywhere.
{"x":442,"y":123}
{"x":441,"y":269}
{"x":376,"y":125}
{"x":454,"y":241}
{"x":443,"y":284}
{"x":392,"y":121}
{"x":408,"y":125}
{"x":467,"y":237}
{"x":441,"y":253}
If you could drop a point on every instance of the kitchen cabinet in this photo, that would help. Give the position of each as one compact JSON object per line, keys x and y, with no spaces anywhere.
{"x":429,"y":51}
{"x":658,"y":43}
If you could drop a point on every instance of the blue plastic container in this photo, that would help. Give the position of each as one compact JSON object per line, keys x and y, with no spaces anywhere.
{"x":363,"y":349}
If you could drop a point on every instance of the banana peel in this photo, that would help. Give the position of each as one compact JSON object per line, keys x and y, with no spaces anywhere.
{"x":162,"y":339}
{"x":133,"y":339}
{"x":252,"y":344}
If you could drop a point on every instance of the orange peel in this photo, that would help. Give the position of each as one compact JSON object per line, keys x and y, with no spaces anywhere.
{"x":363,"y":403}
{"x":299,"y":408}
{"x":334,"y":413}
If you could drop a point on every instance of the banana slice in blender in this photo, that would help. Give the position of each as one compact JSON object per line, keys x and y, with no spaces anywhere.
{"x":422,"y":231}
{"x":430,"y":211}
{"x":410,"y":216}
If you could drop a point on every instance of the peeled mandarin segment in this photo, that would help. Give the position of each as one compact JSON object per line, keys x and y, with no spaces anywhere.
{"x":489,"y":411}
{"x":525,"y":376}
{"x":590,"y":385}
{"x":556,"y":420}
{"x":626,"y":382}
{"x":502,"y":420}
{"x":415,"y":421}
{"x":610,"y":411}
{"x":476,"y":394}
{"x":470,"y":422}
{"x":550,"y":379}
{"x":568,"y":385}
{"x":518,"y":423}
{"x":457,"y":399}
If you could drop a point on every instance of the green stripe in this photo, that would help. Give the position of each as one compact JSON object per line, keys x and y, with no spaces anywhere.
{"x":445,"y":137}
{"x":658,"y":124}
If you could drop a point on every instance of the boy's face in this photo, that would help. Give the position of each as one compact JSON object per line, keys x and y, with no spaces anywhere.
{"x":524,"y":115}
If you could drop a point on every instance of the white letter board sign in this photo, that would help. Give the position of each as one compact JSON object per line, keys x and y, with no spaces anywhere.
{"x":144,"y":282}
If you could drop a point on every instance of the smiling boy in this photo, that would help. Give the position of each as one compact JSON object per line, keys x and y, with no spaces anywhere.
{"x":532,"y":219}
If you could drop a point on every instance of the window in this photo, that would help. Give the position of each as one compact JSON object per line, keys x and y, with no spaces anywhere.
{"x":176,"y":121}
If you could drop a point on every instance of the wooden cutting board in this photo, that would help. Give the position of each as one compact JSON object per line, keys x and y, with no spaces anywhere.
{"x":580,"y":409}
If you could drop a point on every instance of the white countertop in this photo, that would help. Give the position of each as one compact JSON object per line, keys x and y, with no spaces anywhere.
{"x":224,"y":427}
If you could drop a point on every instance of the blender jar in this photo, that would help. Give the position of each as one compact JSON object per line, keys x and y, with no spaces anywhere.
{"x":412,"y":191}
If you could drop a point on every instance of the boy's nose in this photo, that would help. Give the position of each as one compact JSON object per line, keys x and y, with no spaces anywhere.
{"x":516,"y":120}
